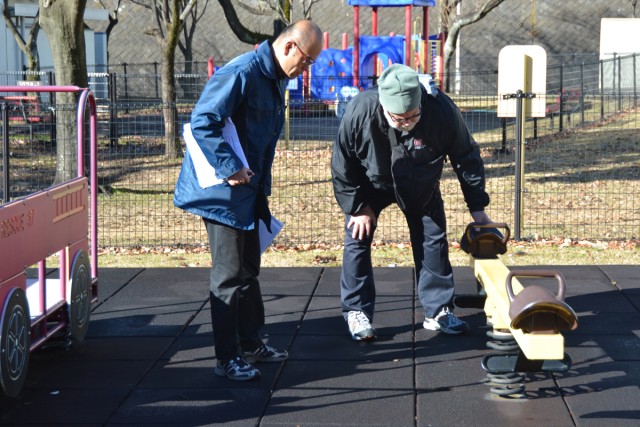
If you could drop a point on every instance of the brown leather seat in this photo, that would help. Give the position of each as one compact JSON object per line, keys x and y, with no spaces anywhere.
{"x":485,"y":240}
{"x":536,"y":309}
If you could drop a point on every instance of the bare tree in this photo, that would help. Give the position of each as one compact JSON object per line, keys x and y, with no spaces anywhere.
{"x":185,"y":44}
{"x":256,"y":6}
{"x":168,"y":21}
{"x":174,"y":24}
{"x":279,"y":9}
{"x":452,"y":23}
{"x":63,"y":22}
{"x":306,"y":7}
{"x":29,"y":46}
{"x":276,"y":8}
{"x":114,"y":10}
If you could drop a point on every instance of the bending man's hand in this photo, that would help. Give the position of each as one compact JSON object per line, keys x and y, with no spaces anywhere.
{"x":243,"y":176}
{"x":481,"y":217}
{"x":363,"y":222}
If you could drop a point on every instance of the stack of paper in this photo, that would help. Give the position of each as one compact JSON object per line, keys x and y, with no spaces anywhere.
{"x":207,"y":174}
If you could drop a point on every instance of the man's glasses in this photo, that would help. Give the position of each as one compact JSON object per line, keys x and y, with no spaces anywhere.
{"x":405,"y":119}
{"x":306,"y":59}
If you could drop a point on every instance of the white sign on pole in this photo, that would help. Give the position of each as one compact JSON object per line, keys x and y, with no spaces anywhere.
{"x":524,"y":68}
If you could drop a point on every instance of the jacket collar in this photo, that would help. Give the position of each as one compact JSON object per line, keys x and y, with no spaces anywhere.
{"x":267,"y":62}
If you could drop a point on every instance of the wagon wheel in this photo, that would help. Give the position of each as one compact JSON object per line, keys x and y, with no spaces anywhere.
{"x":15,"y":346}
{"x":80,"y":297}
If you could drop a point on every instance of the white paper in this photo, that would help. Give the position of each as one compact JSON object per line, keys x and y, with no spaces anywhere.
{"x":267,"y":238}
{"x":204,"y":171}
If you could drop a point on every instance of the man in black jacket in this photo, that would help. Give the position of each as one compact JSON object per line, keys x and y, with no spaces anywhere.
{"x":391,"y":148}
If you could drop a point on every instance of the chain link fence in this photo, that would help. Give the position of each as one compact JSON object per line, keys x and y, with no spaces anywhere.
{"x":581,"y":161}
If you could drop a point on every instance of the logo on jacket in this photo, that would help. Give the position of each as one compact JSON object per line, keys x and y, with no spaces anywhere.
{"x":418,"y":144}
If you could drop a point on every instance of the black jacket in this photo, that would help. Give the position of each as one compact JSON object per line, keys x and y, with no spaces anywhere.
{"x":366,"y":159}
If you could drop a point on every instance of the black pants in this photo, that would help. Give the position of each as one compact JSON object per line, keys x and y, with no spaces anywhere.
{"x":237,"y":310}
{"x":434,"y":276}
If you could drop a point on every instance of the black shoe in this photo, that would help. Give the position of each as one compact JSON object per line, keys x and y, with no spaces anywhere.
{"x":236,"y":369}
{"x":265,"y":353}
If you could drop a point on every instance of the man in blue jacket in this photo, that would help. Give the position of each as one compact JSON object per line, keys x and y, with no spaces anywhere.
{"x":249,"y":90}
{"x":391,"y":148}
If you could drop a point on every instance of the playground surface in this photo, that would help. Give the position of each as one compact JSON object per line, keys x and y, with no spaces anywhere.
{"x":148,"y":359}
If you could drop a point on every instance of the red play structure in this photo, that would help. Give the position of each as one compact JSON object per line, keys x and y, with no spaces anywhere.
{"x":408,"y":5}
{"x":358,"y":66}
{"x":52,"y":221}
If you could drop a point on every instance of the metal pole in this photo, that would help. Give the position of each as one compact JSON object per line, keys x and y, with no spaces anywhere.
{"x":620,"y":83}
{"x":582,"y":93}
{"x":155,"y":78}
{"x":520,"y":96}
{"x":614,"y":64}
{"x":519,"y":167}
{"x":287,"y":118}
{"x":635,"y":92}
{"x":560,"y":126}
{"x":5,"y":152}
{"x":113,"y":100}
{"x":503,"y":124}
{"x":601,"y":89}
{"x":126,"y":88}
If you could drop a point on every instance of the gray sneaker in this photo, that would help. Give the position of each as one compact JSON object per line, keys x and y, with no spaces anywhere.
{"x":265,"y":353}
{"x":360,"y":326}
{"x":446,"y":322}
{"x":236,"y":369}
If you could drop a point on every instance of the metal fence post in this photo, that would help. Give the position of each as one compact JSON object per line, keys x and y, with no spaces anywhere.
{"x":619,"y":83}
{"x":582,"y":93}
{"x":5,"y":152}
{"x":601,"y":89}
{"x":614,"y":63}
{"x":113,"y":113}
{"x":126,"y":81}
{"x":52,"y":104}
{"x":635,"y":92}
{"x":155,"y":77}
{"x":560,"y":125}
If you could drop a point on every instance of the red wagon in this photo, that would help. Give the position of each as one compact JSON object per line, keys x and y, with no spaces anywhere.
{"x":62,"y":220}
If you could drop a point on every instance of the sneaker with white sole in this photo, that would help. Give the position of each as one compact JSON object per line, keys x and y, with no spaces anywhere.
{"x":236,"y":369}
{"x":265,"y":353}
{"x":360,"y":326}
{"x":446,"y":322}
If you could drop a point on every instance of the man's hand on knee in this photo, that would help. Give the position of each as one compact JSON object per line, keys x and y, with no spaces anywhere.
{"x":362,"y":223}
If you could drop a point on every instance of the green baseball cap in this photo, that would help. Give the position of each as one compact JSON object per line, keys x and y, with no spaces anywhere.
{"x":399,"y":89}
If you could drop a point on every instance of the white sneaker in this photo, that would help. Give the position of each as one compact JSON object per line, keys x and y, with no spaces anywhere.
{"x":446,"y":322}
{"x":360,"y":326}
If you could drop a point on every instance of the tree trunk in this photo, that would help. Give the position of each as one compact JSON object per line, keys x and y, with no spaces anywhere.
{"x":28,"y":47}
{"x":172,"y":143}
{"x":453,"y":28}
{"x":242,"y":33}
{"x":62,"y":21}
{"x":167,"y":74}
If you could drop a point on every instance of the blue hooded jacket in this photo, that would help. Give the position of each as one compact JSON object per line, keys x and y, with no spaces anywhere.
{"x":250,"y":91}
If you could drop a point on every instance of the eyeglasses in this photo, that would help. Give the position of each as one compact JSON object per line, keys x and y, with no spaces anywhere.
{"x":306,"y":59}
{"x":405,"y":119}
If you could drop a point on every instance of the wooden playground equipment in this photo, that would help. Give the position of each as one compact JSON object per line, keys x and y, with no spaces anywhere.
{"x":32,"y":228}
{"x":527,"y":321}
